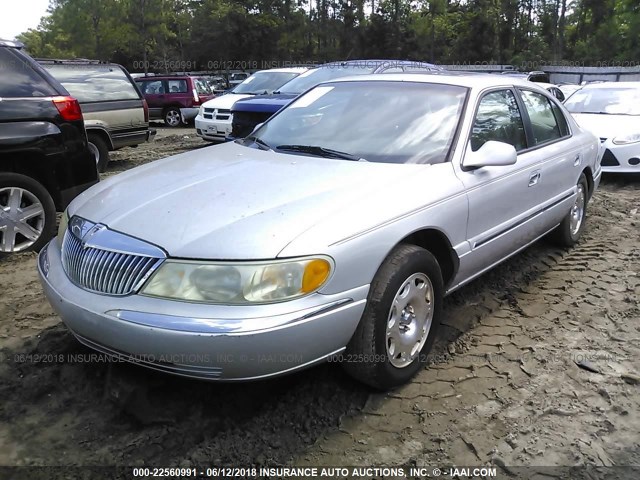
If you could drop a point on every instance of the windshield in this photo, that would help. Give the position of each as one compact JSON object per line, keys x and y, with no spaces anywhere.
{"x":612,"y":101}
{"x":381,"y":121}
{"x":264,"y":82}
{"x":202,"y":87}
{"x":324,"y":73}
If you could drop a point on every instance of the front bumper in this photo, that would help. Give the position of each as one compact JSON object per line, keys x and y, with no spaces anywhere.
{"x":212,"y":129}
{"x":620,"y":158}
{"x":204,"y":341}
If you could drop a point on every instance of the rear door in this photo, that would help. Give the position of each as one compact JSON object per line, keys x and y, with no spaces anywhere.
{"x":153,"y":91}
{"x":178,"y":93}
{"x":561,"y":157}
{"x":503,"y":200}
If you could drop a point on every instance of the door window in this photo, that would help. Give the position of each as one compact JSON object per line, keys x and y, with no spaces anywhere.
{"x":498,"y":118}
{"x":177,"y":86}
{"x":153,"y":87}
{"x":543,"y":121}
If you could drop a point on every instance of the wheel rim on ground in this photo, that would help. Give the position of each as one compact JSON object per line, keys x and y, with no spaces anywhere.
{"x":409,"y":320}
{"x":173,"y":118}
{"x":22,"y":219}
{"x":577,"y":211}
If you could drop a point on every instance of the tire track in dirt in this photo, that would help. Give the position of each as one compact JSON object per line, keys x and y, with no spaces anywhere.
{"x":511,"y":392}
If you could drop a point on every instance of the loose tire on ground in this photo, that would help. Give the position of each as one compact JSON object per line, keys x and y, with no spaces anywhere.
{"x":568,"y":233}
{"x":27,"y":214}
{"x":405,"y":299}
{"x":100,"y":151}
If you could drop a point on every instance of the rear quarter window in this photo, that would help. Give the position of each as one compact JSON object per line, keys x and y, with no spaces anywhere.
{"x":94,"y":83}
{"x":177,"y":86}
{"x":19,"y":79}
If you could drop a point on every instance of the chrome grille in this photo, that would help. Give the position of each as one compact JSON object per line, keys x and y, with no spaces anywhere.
{"x":104,"y":271}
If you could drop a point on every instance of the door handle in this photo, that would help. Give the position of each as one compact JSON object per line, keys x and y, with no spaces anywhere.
{"x":578,"y":160}
{"x":533,"y":179}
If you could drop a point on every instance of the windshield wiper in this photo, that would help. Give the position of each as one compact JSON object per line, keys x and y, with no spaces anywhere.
{"x":606,"y":113}
{"x":261,"y":143}
{"x":319,"y":152}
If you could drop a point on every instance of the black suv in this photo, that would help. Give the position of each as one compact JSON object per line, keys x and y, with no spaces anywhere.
{"x":44,"y":157}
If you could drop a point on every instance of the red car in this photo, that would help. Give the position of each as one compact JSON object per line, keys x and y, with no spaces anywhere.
{"x":174,"y":98}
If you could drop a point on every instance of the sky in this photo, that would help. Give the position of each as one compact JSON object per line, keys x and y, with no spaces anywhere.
{"x":20,"y":15}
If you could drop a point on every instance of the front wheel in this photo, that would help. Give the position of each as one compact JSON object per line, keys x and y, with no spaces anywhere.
{"x":27,"y":214}
{"x":569,"y":231}
{"x":172,"y":117}
{"x":400,"y":321}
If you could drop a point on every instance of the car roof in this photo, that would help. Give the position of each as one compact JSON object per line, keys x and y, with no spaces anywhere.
{"x":605,"y":85}
{"x":546,"y":85}
{"x":379,"y":62}
{"x":471,"y":80}
{"x":162,"y":76}
{"x":285,"y":70}
{"x":78,"y":62}
{"x":11,"y":43}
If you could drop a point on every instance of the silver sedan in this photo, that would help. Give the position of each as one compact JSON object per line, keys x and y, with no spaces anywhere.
{"x":333,"y":232}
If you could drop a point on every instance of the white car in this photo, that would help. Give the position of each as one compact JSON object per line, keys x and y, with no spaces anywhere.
{"x":569,"y":89}
{"x":213,"y":121}
{"x":611,"y":110}
{"x":553,"y":90}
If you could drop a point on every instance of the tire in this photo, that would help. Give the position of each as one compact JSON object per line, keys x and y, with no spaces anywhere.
{"x":373,"y":353}
{"x":568,"y":233}
{"x":100,"y":151}
{"x":21,"y":195}
{"x":172,"y":117}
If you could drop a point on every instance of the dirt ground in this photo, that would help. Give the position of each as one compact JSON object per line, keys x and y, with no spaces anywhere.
{"x":504,"y":389}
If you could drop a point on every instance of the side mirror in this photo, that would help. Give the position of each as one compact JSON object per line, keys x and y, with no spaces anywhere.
{"x":491,"y":154}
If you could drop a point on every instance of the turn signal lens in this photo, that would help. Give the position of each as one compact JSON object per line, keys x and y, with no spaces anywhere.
{"x":315,"y":274}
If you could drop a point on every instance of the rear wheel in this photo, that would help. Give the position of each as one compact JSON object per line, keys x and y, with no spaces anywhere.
{"x":99,"y":150}
{"x":172,"y":117}
{"x":27,"y":214}
{"x":568,"y":232}
{"x":400,"y":321}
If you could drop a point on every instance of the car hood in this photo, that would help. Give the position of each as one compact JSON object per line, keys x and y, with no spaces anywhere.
{"x":264,"y":103}
{"x":225,"y":101}
{"x":608,"y":126}
{"x":234,"y":202}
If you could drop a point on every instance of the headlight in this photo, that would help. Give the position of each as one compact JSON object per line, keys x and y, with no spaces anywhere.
{"x":629,"y":138}
{"x":238,"y":283}
{"x":201,"y":111}
{"x":62,"y":228}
